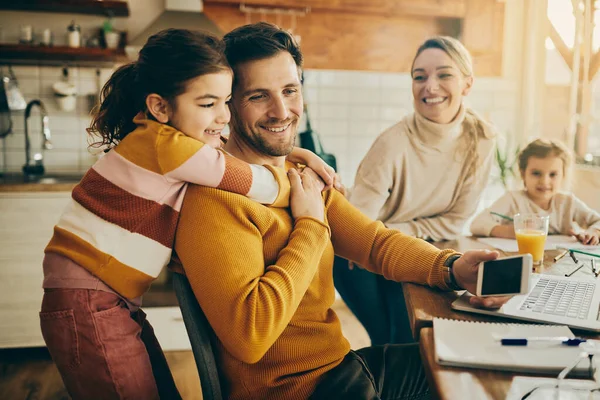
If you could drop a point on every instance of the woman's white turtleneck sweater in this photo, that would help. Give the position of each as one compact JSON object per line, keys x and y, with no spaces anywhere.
{"x":415,"y":179}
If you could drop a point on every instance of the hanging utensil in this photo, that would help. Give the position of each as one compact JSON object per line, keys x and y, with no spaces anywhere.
{"x":5,"y":120}
{"x":5,"y":125}
{"x":310,"y":140}
{"x":94,"y":98}
{"x":14,"y":97}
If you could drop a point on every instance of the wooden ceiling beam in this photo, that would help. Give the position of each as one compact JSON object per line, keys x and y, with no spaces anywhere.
{"x":594,"y":65}
{"x":561,"y":46}
{"x":421,"y":8}
{"x":567,"y":54}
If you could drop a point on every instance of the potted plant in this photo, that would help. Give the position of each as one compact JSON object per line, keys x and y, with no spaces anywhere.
{"x":506,"y":161}
{"x":111,"y":36}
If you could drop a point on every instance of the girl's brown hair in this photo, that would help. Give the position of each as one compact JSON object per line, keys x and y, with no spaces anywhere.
{"x":166,"y":63}
{"x":542,"y":148}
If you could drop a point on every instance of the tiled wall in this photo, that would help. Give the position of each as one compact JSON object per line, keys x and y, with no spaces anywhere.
{"x":348,"y":110}
{"x":70,"y":140}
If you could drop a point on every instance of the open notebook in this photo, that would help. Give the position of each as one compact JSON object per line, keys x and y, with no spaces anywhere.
{"x":476,"y":345}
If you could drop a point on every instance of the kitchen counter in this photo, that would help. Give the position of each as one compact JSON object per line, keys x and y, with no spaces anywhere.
{"x":47,"y":183}
{"x":36,"y":187}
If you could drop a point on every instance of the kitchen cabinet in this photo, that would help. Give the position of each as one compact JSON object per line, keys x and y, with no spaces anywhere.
{"x":27,"y":221}
{"x":26,"y":224}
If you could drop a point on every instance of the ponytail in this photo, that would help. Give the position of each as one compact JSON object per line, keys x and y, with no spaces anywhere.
{"x":120,"y":102}
{"x":473,"y":129}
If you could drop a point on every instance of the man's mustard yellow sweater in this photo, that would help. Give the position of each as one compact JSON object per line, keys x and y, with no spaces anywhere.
{"x":265,"y":283}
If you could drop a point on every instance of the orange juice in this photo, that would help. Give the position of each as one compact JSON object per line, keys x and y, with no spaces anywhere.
{"x":532,"y":241}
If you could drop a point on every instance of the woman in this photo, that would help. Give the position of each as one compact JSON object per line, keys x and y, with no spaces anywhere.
{"x":423,"y":176}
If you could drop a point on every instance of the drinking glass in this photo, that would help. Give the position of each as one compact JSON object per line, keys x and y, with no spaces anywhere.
{"x":531,"y":231}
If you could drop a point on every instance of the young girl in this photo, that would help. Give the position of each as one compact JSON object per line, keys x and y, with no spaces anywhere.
{"x":117,"y":233}
{"x":543,"y":165}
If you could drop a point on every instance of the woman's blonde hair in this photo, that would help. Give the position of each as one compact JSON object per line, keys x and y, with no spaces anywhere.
{"x":542,"y":148}
{"x":472,"y":125}
{"x":455,"y":50}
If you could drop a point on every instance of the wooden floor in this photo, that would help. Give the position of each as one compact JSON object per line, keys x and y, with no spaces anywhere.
{"x":30,"y":374}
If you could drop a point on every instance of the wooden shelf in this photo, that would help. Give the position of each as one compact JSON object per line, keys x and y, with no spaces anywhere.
{"x":27,"y":54}
{"x":95,"y":7}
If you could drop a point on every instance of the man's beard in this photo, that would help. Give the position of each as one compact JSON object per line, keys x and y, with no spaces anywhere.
{"x":262,"y":145}
{"x":272,"y":149}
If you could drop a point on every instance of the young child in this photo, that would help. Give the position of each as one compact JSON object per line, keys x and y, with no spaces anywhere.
{"x":117,"y":233}
{"x":543,"y":165}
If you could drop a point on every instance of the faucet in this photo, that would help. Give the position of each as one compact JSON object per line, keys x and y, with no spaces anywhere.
{"x":35,"y":167}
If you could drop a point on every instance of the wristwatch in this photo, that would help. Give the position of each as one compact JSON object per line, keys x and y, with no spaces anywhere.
{"x":449,"y":274}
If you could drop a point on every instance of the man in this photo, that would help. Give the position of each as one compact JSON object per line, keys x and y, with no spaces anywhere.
{"x":264,"y":279}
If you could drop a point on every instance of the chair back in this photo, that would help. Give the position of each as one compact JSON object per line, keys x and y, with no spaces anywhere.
{"x":202,"y":338}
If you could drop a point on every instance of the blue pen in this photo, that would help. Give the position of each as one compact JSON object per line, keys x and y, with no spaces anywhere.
{"x":564,"y":340}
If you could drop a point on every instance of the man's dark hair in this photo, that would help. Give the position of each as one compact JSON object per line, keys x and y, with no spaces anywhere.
{"x":259,"y":41}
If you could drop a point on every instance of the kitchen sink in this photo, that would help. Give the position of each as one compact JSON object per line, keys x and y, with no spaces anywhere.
{"x":49,"y":179}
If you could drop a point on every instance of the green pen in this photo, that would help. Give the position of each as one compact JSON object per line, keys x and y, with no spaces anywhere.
{"x":501,"y":215}
{"x":584,"y":253}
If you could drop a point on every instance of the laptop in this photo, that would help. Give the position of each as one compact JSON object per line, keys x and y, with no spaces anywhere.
{"x":552,"y":299}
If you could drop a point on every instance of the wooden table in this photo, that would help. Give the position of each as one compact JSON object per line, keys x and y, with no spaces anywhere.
{"x":461,"y":383}
{"x":424,"y":303}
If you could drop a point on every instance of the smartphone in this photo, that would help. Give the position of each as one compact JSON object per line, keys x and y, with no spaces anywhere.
{"x":504,"y":276}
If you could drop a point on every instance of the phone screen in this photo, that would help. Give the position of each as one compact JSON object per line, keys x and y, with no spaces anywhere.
{"x":502,"y":276}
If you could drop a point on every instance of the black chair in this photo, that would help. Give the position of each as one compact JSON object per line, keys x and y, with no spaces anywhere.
{"x":202,"y":338}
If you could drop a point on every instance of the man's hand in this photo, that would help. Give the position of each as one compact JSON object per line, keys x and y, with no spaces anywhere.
{"x":465,"y":271}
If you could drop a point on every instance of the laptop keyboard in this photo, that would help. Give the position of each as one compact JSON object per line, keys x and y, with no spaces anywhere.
{"x":559,"y":297}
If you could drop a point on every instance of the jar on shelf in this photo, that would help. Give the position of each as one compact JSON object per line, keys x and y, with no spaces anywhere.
{"x":26,"y":34}
{"x":46,"y":37}
{"x":73,"y":35}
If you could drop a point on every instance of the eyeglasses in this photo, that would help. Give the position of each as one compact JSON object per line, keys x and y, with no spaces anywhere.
{"x":563,"y":391}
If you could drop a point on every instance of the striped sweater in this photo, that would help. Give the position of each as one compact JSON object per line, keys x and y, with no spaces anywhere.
{"x":120,"y":223}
